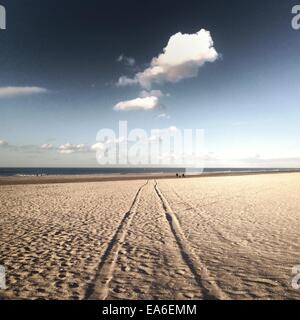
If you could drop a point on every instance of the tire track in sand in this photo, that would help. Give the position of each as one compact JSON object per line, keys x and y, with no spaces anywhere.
{"x":200,"y":272}
{"x":99,"y":288}
{"x":197,"y":210}
{"x":150,"y":265}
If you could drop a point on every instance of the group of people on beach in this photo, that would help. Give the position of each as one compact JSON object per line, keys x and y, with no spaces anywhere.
{"x":180,"y":175}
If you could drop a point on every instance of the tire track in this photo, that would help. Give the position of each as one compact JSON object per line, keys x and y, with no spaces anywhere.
{"x":99,"y":288}
{"x":197,"y":209}
{"x":149,"y":265}
{"x":200,"y":272}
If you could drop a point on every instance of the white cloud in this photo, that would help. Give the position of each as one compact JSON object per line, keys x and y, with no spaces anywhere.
{"x":163,"y":116}
{"x":125,"y":81}
{"x":172,"y":129}
{"x":11,"y":92}
{"x":181,"y":59}
{"x":254,"y":158}
{"x":98,"y":146}
{"x":69,"y":148}
{"x":3,"y":143}
{"x":147,"y":103}
{"x":148,"y":100}
{"x":47,"y":146}
{"x":129,"y":61}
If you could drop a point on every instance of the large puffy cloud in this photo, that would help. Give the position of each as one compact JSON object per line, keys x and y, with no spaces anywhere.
{"x":146,"y":103}
{"x":11,"y":92}
{"x":181,"y":59}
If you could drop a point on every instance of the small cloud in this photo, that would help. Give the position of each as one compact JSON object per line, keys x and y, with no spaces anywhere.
{"x":47,"y":146}
{"x":98,"y":146}
{"x":148,"y":100}
{"x":128,"y":61}
{"x":172,"y":129}
{"x":147,"y":103}
{"x":3,"y":143}
{"x":163,"y":116}
{"x":69,"y":148}
{"x":11,"y":92}
{"x":125,"y":81}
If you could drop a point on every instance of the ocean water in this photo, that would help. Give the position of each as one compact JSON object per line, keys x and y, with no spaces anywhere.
{"x":124,"y":171}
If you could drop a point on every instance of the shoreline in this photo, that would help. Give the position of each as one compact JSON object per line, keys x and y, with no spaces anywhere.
{"x":29,"y":180}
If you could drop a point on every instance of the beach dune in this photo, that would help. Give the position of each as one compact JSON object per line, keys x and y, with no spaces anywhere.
{"x":227,"y":237}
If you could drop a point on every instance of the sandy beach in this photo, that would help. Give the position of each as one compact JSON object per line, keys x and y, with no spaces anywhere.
{"x":226,"y":237}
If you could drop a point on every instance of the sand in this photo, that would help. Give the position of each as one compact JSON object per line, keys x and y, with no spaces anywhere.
{"x":228,"y":237}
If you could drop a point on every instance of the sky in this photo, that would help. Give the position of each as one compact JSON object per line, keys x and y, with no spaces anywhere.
{"x":71,"y":68}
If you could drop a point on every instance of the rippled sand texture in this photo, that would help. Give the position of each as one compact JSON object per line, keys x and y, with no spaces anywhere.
{"x":52,"y":237}
{"x":204,"y":238}
{"x":245,"y":230}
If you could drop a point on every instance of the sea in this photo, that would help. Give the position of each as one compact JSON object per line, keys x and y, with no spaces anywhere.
{"x":8,"y":172}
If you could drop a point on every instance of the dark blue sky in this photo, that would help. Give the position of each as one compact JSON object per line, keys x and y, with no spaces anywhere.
{"x":246,"y":101}
{"x":51,"y":38}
